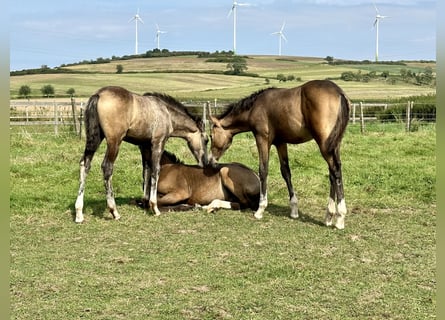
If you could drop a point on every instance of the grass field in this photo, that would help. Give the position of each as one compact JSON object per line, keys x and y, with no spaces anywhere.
{"x":190,"y":78}
{"x":227,"y":265}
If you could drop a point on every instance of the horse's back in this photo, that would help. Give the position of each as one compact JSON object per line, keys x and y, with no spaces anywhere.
{"x":296,"y":115}
{"x":127,"y":114}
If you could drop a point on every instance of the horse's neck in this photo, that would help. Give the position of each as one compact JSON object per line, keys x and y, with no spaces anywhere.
{"x":182,"y":126}
{"x":236,"y":124}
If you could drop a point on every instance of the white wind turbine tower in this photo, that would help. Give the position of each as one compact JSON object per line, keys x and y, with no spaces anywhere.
{"x":378,"y":17}
{"x":233,"y":10}
{"x":137,"y":19}
{"x":158,"y":35}
{"x":280,"y":36}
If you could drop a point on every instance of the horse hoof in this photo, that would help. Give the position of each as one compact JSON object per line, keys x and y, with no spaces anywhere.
{"x":294,"y":215}
{"x":258,"y":216}
{"x":79,"y":218}
{"x":340,"y":223}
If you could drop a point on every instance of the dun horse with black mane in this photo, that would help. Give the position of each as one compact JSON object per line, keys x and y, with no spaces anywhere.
{"x":317,"y":110}
{"x":227,"y":185}
{"x":117,"y":115}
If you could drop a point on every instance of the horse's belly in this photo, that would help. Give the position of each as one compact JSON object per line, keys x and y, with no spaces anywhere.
{"x":294,"y":135}
{"x":206,"y":192}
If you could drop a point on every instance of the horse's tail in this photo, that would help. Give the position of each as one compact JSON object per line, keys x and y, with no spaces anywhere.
{"x":93,"y":130}
{"x":336,"y":134}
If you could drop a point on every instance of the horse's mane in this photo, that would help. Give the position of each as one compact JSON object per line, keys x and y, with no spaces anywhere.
{"x":242,"y":105}
{"x":172,"y":102}
{"x":172,"y":157}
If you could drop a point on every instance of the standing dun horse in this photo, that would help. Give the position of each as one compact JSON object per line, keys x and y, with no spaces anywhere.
{"x":226,"y":185}
{"x":317,"y":110}
{"x":147,"y":121}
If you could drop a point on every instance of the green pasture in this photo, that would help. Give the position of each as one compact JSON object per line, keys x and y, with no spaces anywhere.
{"x":192,"y":78}
{"x":227,"y":265}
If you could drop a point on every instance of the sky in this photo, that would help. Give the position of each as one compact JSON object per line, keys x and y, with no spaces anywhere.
{"x":53,"y":33}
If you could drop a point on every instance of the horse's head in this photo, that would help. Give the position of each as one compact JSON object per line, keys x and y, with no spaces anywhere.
{"x":197,"y":142}
{"x":221,"y":140}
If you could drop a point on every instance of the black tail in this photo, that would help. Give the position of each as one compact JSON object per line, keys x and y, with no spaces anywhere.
{"x":93,"y":131}
{"x":336,"y":135}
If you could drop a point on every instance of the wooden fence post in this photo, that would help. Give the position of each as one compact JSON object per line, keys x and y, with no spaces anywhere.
{"x":80,"y":120}
{"x":354,"y":107}
{"x":73,"y":108}
{"x":362,"y":119}
{"x":56,"y":120}
{"x":408,"y":116}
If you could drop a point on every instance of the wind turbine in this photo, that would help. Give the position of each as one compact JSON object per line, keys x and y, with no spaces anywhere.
{"x":137,"y":19}
{"x":158,"y":34}
{"x":280,"y":36}
{"x":378,"y":17}
{"x":233,"y":10}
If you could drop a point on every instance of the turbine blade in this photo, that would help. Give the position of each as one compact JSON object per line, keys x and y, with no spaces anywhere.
{"x":283,"y":36}
{"x":230,"y":12}
{"x":282,"y":27}
{"x":376,"y":10}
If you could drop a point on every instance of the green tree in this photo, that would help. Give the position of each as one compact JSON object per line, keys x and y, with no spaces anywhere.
{"x":329,"y":59}
{"x":119,"y":68}
{"x":237,"y":66}
{"x":71,"y":92}
{"x":281,"y":77}
{"x":47,"y":90}
{"x":347,"y":76}
{"x":25,"y":91}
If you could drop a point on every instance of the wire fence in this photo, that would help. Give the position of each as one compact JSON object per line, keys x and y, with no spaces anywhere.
{"x":66,"y":116}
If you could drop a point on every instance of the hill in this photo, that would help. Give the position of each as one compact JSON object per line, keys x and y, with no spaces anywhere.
{"x":194,"y":78}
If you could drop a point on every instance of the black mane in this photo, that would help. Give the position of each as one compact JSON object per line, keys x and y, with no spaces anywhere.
{"x":243,"y":105}
{"x":172,"y":157}
{"x":172,"y":102}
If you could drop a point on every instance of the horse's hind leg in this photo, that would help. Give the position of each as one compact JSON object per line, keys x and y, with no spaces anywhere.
{"x":85,"y":166}
{"x":336,"y":209}
{"x":107,"y":168}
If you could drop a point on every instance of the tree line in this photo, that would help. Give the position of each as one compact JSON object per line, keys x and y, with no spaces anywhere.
{"x":46,"y":91}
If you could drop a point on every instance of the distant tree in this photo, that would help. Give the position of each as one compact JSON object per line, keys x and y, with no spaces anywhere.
{"x":281,"y":77}
{"x":267,"y":81}
{"x":347,"y":76}
{"x":71,"y":92}
{"x":329,"y":59}
{"x":237,"y":66}
{"x":47,"y":90}
{"x":119,"y":68}
{"x":290,"y":78}
{"x":25,"y":91}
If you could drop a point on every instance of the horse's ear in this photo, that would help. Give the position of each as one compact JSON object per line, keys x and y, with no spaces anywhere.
{"x":214,"y":121}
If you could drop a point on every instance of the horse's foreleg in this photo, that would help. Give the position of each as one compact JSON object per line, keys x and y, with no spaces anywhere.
{"x":286,"y":174}
{"x":146,"y":174}
{"x":263,"y":153}
{"x":221,"y":204}
{"x":156,"y":154}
